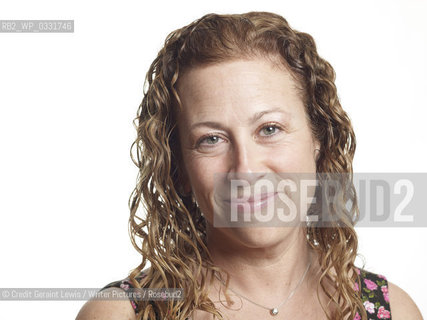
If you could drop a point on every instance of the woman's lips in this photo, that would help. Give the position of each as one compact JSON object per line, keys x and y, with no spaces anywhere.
{"x":254,"y":200}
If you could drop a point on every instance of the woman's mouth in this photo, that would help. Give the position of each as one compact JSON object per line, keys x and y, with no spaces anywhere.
{"x":253,"y":202}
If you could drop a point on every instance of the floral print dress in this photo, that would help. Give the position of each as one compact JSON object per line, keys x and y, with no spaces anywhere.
{"x":374,"y":295}
{"x":374,"y":291}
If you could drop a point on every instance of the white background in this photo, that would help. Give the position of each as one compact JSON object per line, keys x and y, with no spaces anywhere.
{"x":67,"y":103}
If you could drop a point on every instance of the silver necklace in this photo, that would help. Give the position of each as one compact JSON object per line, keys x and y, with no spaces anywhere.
{"x":275,"y":310}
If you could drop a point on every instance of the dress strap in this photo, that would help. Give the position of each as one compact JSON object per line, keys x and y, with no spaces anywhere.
{"x":126,"y":285}
{"x":374,"y":293}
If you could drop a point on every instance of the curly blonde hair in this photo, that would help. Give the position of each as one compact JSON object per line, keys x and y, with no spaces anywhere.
{"x":172,"y":229}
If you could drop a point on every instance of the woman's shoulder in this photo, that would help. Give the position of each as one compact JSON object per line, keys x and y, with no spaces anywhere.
{"x":113,"y":308}
{"x":382,"y":298}
{"x":402,"y":305}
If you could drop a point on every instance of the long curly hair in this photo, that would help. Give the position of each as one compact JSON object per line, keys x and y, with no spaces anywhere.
{"x":167,"y":227}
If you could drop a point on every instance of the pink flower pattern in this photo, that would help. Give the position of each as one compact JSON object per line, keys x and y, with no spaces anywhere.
{"x":374,"y":294}
{"x":384,"y":289}
{"x":369,"y":306}
{"x":383,"y":313}
{"x":124,"y":286}
{"x":370,"y":284}
{"x":356,"y":286}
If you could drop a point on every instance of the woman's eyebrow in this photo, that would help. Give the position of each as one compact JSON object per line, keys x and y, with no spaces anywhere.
{"x":254,"y":118}
{"x":260,"y":114}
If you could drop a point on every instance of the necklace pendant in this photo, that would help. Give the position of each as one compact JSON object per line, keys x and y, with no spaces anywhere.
{"x":274,"y":311}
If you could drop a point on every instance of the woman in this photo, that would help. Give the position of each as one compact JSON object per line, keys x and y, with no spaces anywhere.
{"x":239,"y":97}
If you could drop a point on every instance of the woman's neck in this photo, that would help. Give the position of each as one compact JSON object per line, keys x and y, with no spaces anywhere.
{"x":267,"y":274}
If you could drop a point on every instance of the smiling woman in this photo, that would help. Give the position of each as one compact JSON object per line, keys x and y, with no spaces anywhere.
{"x":224,"y":127}
{"x":243,"y":97}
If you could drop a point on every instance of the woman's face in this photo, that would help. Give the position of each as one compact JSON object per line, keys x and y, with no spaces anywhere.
{"x":241,"y":118}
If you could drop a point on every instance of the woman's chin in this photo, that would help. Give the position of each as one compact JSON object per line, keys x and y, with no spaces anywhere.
{"x":261,"y":237}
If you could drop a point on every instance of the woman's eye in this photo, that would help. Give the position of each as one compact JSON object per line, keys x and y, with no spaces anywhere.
{"x":210,"y":140}
{"x":270,"y":129}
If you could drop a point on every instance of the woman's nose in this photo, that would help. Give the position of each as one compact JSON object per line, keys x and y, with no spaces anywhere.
{"x":247,"y":162}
